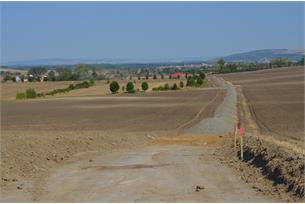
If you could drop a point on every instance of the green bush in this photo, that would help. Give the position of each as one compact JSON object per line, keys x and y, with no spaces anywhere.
{"x":144,"y":86}
{"x":166,"y":87}
{"x":181,"y":84}
{"x":114,"y":87}
{"x":20,"y":96}
{"x":123,"y":88}
{"x":202,"y":75}
{"x":91,"y":82}
{"x":199,"y":81}
{"x":190,"y":81}
{"x":130,"y":87}
{"x":71,"y":87}
{"x":30,"y":93}
{"x":174,"y":87}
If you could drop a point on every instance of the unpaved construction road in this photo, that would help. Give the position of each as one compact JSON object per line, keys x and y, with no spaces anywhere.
{"x":157,"y":173}
{"x":180,"y":168}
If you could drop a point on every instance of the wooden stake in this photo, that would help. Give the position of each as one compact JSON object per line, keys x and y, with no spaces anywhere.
{"x":241,"y":149}
{"x":235,"y":138}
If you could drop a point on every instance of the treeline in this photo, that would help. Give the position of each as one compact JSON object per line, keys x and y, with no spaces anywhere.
{"x":31,"y":93}
{"x":223,"y":67}
{"x":79,"y":72}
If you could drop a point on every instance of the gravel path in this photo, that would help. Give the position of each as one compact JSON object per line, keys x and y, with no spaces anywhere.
{"x":224,"y":116}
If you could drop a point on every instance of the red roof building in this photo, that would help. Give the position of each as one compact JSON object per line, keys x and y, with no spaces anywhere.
{"x":178,"y":75}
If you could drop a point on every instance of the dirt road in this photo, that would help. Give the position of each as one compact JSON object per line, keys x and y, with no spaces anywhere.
{"x":155,"y":173}
{"x":180,"y":169}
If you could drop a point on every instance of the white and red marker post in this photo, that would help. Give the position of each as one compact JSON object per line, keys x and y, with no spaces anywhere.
{"x":241,"y":134}
{"x":238,"y":129}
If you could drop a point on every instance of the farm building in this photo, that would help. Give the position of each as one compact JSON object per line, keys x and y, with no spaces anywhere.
{"x":178,"y":75}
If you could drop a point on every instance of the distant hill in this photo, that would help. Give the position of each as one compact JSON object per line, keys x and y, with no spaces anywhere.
{"x":263,"y":56}
{"x":253,"y":56}
{"x":61,"y":61}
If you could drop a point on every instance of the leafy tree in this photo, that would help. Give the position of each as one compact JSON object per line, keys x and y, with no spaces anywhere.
{"x":81,"y":71}
{"x":174,"y":87}
{"x":51,"y":76}
{"x":114,"y":87}
{"x":202,"y":75}
{"x":181,"y":84}
{"x":221,"y":62}
{"x":199,"y":81}
{"x":190,"y":81}
{"x":144,"y":86}
{"x":130,"y":87}
{"x":64,"y":74}
{"x":37,"y":71}
{"x":94,"y":74}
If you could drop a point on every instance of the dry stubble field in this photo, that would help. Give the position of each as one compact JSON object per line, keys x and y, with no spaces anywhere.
{"x":9,"y":89}
{"x":276,"y":100}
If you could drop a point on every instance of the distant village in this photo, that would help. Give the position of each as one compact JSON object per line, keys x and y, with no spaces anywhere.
{"x":83,"y":72}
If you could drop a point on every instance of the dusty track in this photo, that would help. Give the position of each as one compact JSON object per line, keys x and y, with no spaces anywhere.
{"x":155,"y":173}
{"x":182,"y":168}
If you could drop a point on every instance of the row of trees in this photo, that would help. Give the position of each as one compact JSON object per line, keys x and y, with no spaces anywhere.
{"x":115,"y":87}
{"x":192,"y":81}
{"x":222,"y":67}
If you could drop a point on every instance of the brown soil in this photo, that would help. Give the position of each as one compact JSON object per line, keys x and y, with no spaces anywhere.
{"x":272,"y":115}
{"x":276,"y":101}
{"x":37,"y":135}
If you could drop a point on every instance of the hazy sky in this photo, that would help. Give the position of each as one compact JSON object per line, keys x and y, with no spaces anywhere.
{"x":138,"y":30}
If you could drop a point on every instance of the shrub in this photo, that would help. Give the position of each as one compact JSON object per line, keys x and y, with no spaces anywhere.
{"x":71,"y":87}
{"x":91,"y":82}
{"x":20,"y":96}
{"x":175,"y":87}
{"x":190,"y":81}
{"x":166,"y":87}
{"x":144,"y":86}
{"x":202,"y":75}
{"x":199,"y":81}
{"x":130,"y":87}
{"x":114,"y":87}
{"x":30,"y":93}
{"x":181,"y":84}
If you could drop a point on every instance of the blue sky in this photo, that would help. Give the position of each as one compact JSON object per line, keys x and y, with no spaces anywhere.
{"x":147,"y":30}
